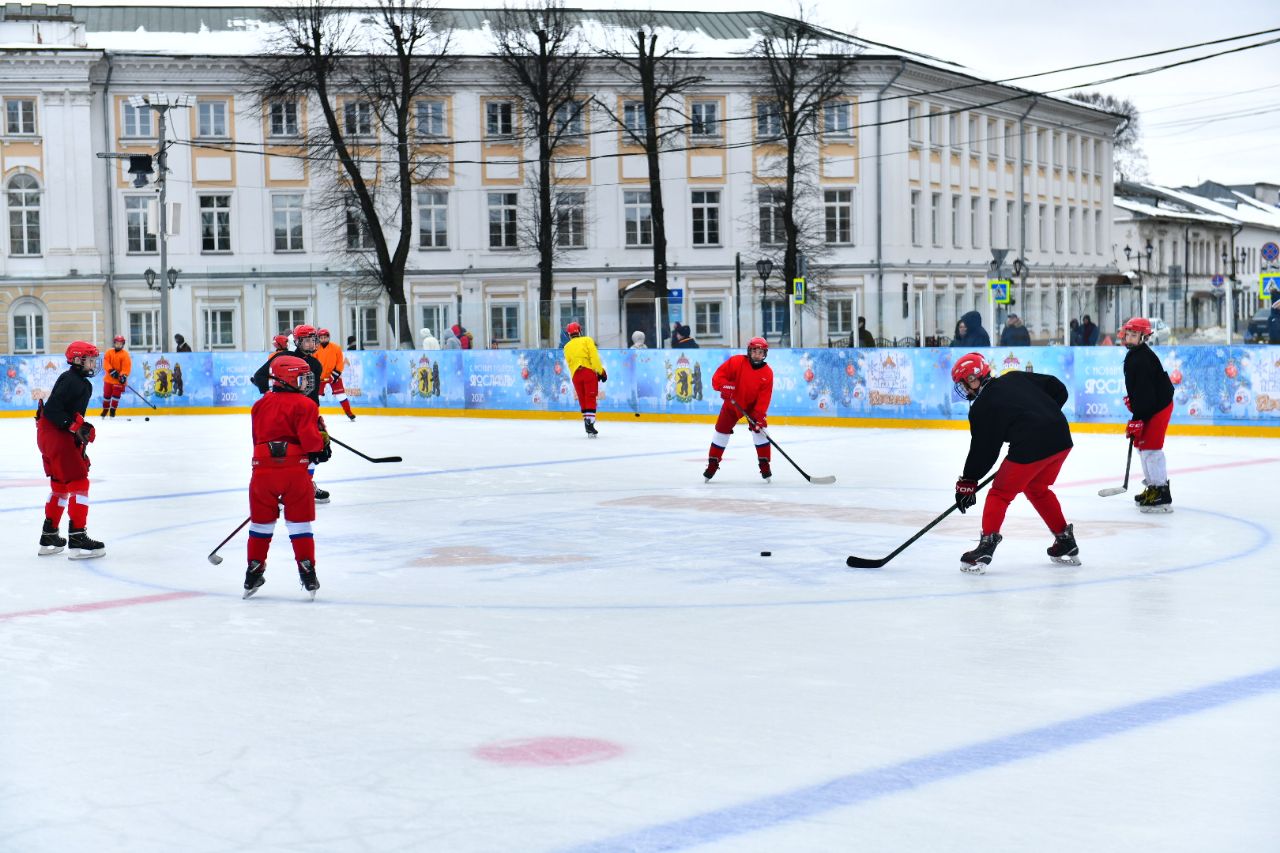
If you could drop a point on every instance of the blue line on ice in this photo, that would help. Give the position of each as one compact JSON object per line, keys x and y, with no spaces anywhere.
{"x":855,"y":788}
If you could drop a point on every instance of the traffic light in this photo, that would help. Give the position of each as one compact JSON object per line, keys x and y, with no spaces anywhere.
{"x":140,"y":167}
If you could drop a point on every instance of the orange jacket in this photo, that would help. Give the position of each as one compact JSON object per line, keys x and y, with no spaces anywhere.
{"x":117,"y":360}
{"x":330,"y":358}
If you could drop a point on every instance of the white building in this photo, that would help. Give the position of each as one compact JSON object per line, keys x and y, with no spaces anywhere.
{"x":923,"y":171}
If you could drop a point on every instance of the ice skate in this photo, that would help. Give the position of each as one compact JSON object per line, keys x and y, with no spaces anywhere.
{"x":1157,"y":499}
{"x":765,"y":471}
{"x":112,"y":413}
{"x":50,"y":541}
{"x":1142,"y":495}
{"x":307,"y":577}
{"x":1064,"y":549}
{"x":713,"y":465}
{"x":976,"y":561}
{"x":254,"y":577}
{"x":592,"y":432}
{"x":322,"y":497}
{"x":350,"y":416}
{"x":82,"y":547}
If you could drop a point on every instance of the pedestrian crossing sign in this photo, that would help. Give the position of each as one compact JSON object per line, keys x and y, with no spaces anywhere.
{"x":1268,"y":284}
{"x":1001,"y":290}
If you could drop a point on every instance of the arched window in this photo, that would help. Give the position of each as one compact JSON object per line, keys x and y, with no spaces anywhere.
{"x":27,"y":324}
{"x":24,"y":216}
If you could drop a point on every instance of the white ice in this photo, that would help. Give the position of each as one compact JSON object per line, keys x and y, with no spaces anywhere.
{"x":528,"y":641}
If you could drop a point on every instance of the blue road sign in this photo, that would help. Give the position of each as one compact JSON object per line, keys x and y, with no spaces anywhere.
{"x":1270,"y":251}
{"x":675,"y":293}
{"x":1000,"y":290}
{"x":1218,"y":281}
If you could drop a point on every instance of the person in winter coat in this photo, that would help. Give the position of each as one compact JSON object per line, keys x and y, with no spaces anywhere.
{"x":1025,"y":410}
{"x":637,"y":340}
{"x":429,"y":340}
{"x":1273,"y":319}
{"x":969,"y":332}
{"x":464,"y":337}
{"x":745,"y":384}
{"x":1088,"y":333}
{"x":451,"y":340}
{"x":1014,"y":334}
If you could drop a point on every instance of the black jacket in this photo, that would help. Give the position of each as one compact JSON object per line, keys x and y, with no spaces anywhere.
{"x":262,"y":378}
{"x":1024,"y":409}
{"x":69,"y":397}
{"x":975,"y":335}
{"x":1015,"y":336}
{"x":1147,"y":383}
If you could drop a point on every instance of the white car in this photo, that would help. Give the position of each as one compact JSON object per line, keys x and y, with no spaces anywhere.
{"x":1160,"y":335}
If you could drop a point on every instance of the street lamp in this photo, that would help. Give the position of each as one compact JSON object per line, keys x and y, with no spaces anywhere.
{"x":764,"y":267}
{"x":150,"y":276}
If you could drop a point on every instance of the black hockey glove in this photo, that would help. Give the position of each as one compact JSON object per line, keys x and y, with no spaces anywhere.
{"x":323,"y":456}
{"x":115,"y":374}
{"x":604,"y":376}
{"x":966,"y":493}
{"x":337,"y":374}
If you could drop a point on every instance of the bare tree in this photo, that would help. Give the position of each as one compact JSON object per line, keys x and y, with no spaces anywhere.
{"x":363,"y":70}
{"x":660,"y":75}
{"x":804,"y":71}
{"x":1130,"y":160}
{"x":543,"y":60}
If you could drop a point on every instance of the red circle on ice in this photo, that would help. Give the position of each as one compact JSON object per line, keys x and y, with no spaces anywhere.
{"x":549,"y":751}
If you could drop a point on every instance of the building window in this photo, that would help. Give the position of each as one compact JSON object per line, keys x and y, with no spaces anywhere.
{"x":499,"y":119}
{"x":1008,"y":224}
{"x":433,"y":219}
{"x":839,"y":317}
{"x":364,"y":325}
{"x":935,"y":218}
{"x":571,"y":220}
{"x":1042,"y":146}
{"x":935,"y":128}
{"x":837,"y":121}
{"x":1042,"y":212}
{"x":975,"y":223}
{"x":706,"y":217}
{"x":219,"y":328}
{"x":504,"y":322}
{"x":838,"y":206}
{"x":913,"y":122}
{"x":707,"y":319}
{"x":915,"y":217}
{"x":991,"y":222}
{"x":357,"y":119}
{"x":768,"y":120}
{"x":435,"y":316}
{"x":633,"y":118}
{"x":28,"y":318}
{"x":20,"y":116}
{"x":143,"y":329}
{"x":704,"y":119}
{"x":993,"y":139}
{"x":137,"y":121}
{"x":953,"y":130}
{"x":215,"y":223}
{"x":24,"y":215}
{"x":288,"y":319}
{"x":1071,"y":152}
{"x":1058,"y":158}
{"x":775,"y":319}
{"x":429,"y":118}
{"x":140,"y":236}
{"x":502,"y":220}
{"x":773,"y":227}
{"x":359,"y":234}
{"x":569,"y":121}
{"x":1073,"y":235}
{"x":211,"y":119}
{"x":955,"y":221}
{"x":639,"y":218}
{"x":1059,"y":226}
{"x":284,"y":118}
{"x":286,"y":221}
{"x":975,"y":142}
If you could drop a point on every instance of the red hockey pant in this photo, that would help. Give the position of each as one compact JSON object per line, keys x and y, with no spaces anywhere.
{"x":587,"y":385}
{"x":339,"y":392}
{"x":111,"y":394}
{"x":67,"y":468}
{"x":1154,"y":429}
{"x":727,"y":420}
{"x":272,"y":484}
{"x":1032,"y":479}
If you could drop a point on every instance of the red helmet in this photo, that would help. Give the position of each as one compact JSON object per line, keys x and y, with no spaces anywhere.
{"x":972,"y":364}
{"x":118,"y":339}
{"x":573,"y":329}
{"x":323,"y":333}
{"x":303,"y":331}
{"x":758,"y":342}
{"x":83,"y":350}
{"x":280,"y":341}
{"x":1141,"y":325}
{"x":291,"y":372}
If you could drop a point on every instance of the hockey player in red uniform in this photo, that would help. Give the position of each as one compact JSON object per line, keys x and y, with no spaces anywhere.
{"x":1150,"y":403}
{"x":331,"y":362}
{"x":1024,"y":409}
{"x":304,"y":341}
{"x":63,"y":436}
{"x":286,"y":438}
{"x":744,"y":380}
{"x":116,"y":365}
{"x":587,"y":372}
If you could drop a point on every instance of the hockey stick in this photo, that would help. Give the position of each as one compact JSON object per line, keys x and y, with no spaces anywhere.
{"x":140,"y":397}
{"x":821,"y":481}
{"x":864,"y":563}
{"x":363,"y":456}
{"x":1106,"y":493}
{"x":213,"y":555}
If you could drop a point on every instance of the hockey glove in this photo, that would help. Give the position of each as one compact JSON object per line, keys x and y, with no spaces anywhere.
{"x":758,"y":423}
{"x":115,"y":374}
{"x":726,"y":393}
{"x":324,"y":455}
{"x":83,"y":430}
{"x":124,"y":379}
{"x":966,"y":493}
{"x":1126,"y":404}
{"x":603,"y":375}
{"x":1134,"y":428}
{"x":337,"y":374}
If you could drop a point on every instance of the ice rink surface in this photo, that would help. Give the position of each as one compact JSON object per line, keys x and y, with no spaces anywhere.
{"x":528,"y":641}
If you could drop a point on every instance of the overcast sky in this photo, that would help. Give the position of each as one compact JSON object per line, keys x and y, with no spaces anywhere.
{"x":1212,"y":120}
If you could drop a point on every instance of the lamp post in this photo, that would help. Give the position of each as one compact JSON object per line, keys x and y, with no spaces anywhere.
{"x":1142,"y":283}
{"x":1230,"y":297}
{"x":764,"y":267}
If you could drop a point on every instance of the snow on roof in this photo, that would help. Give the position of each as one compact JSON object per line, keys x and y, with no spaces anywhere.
{"x":1247,"y":214}
{"x":1155,"y":212}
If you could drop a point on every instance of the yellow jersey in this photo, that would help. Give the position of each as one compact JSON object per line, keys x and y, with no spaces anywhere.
{"x":581,"y":352}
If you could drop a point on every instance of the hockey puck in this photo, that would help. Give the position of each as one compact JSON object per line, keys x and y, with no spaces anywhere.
{"x":637,"y":414}
{"x":147,"y":418}
{"x":766,"y":553}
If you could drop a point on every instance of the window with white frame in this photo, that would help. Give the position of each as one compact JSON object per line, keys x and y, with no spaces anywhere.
{"x":429,"y":118}
{"x":1026,"y":221}
{"x":768,"y":120}
{"x":357,"y":118}
{"x":136,"y":122}
{"x":211,"y":118}
{"x":993,"y":139}
{"x":975,"y":137}
{"x":638,"y":218}
{"x":433,"y":219}
{"x":215,"y":223}
{"x":499,"y":119}
{"x":913,"y":122}
{"x":1073,"y":234}
{"x":775,"y":319}
{"x":633,"y":117}
{"x":283,"y":115}
{"x":1042,"y":212}
{"x":219,"y":328}
{"x":991,"y":221}
{"x":704,"y":119}
{"x":1042,"y":146}
{"x":1086,"y":154}
{"x":838,"y":214}
{"x":359,"y":236}
{"x":20,"y":116}
{"x":571,"y":219}
{"x":286,"y":221}
{"x":1008,"y":224}
{"x":1087,"y":235}
{"x":1071,"y":152}
{"x":953,"y":130}
{"x":504,"y":322}
{"x":935,"y":128}
{"x":708,"y":318}
{"x":915,"y":217}
{"x":1097,"y":232}
{"x":144,"y":326}
{"x":570,"y":121}
{"x":1059,"y":229}
{"x":839,"y":317}
{"x":705,"y":215}
{"x":140,"y":236}
{"x":955,"y":221}
{"x":773,"y":228}
{"x":935,"y":218}
{"x":288,"y":319}
{"x":28,"y":321}
{"x":363,"y":323}
{"x":23,"y":199}
{"x":837,"y":121}
{"x":975,"y":223}
{"x":1097,"y":157}
{"x":435,"y":316}
{"x":1058,"y":157}
{"x":569,"y":311}
{"x":503,"y":208}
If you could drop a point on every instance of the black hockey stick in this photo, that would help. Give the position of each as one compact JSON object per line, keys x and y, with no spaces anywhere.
{"x":213,"y":555}
{"x":363,"y":456}
{"x":864,"y":563}
{"x":1106,"y":493}
{"x":821,"y":481}
{"x":140,"y":397}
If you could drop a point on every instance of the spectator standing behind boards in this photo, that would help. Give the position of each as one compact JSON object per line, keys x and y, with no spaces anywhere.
{"x":637,"y":340}
{"x":451,"y":340}
{"x":351,"y":343}
{"x":465,"y":338}
{"x":1014,"y":333}
{"x":683,"y":339}
{"x":1088,"y":333}
{"x":429,"y":340}
{"x":1075,"y":333}
{"x":969,"y":332}
{"x":1273,"y":319}
{"x":183,"y":346}
{"x":864,"y":336}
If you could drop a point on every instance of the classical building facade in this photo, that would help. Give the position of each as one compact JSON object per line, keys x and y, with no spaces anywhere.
{"x":921,"y":171}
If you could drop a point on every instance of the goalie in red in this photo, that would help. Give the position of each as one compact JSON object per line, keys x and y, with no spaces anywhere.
{"x":745,"y":384}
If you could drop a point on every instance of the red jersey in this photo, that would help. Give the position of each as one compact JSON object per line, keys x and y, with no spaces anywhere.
{"x":754,"y":385}
{"x":286,"y":416}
